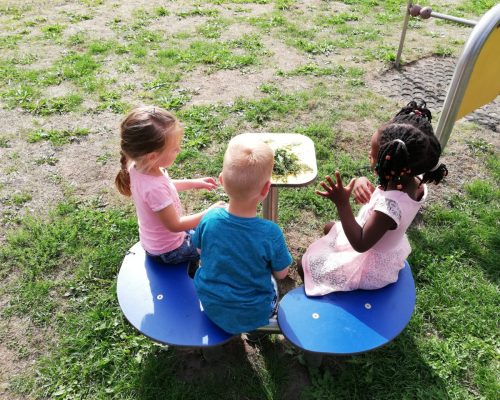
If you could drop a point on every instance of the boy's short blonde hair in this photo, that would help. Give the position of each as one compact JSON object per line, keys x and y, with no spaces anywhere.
{"x":248,"y":165}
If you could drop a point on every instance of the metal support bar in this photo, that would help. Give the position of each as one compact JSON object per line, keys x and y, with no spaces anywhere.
{"x":403,"y":34}
{"x":454,"y":19}
{"x":433,"y":14}
{"x":270,"y":205}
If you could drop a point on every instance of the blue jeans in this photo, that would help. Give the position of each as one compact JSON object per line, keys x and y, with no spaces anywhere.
{"x":184,"y":253}
{"x":274,"y":301}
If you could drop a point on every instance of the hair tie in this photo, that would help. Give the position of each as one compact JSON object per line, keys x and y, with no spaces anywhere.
{"x":436,"y":167}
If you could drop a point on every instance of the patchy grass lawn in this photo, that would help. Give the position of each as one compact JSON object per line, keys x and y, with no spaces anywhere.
{"x":70,"y":70}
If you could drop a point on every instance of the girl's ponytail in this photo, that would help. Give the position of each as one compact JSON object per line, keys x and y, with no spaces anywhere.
{"x":436,"y":174}
{"x":122,"y":180}
{"x":144,"y":130}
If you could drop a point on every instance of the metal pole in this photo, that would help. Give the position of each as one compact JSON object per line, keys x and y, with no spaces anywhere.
{"x":454,"y":19}
{"x":270,"y":205}
{"x":403,"y":34}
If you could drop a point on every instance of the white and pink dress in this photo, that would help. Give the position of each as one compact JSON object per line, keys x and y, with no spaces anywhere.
{"x":331,"y":264}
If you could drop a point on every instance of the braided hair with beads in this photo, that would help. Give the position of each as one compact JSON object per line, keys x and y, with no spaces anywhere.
{"x":409,"y":148}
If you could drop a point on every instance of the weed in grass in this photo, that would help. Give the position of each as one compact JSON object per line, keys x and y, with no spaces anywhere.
{"x":33,"y":298}
{"x":18,"y":199}
{"x":53,"y":32}
{"x":29,"y":99}
{"x":213,"y":28}
{"x":54,"y":105}
{"x":57,"y":137}
{"x":105,"y":158}
{"x":24,"y":59}
{"x":359,"y":34}
{"x":322,"y":46}
{"x":284,"y":4}
{"x":336,"y":19}
{"x":75,"y":66}
{"x":477,"y":7}
{"x":174,"y":100}
{"x":48,"y":160}
{"x":77,"y":17}
{"x":198,"y":12}
{"x":77,"y":39}
{"x":93,"y":3}
{"x":161,"y":11}
{"x":480,"y":146}
{"x":353,"y":74}
{"x":381,"y":52}
{"x":268,"y":21}
{"x":260,"y":111}
{"x":444,"y":51}
{"x":10,"y":41}
{"x":110,"y":101}
{"x":101,"y":46}
{"x":216,"y":55}
{"x":201,"y":125}
{"x":4,"y":142}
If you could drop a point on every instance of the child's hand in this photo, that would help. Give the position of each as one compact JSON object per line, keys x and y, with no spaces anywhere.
{"x":336,"y":192}
{"x":205,"y":183}
{"x":362,"y":190}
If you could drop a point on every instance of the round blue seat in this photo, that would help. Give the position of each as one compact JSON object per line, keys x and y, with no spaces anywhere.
{"x":348,"y":322}
{"x":161,"y":302}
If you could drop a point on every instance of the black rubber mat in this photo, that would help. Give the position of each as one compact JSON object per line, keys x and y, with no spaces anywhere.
{"x":428,"y":79}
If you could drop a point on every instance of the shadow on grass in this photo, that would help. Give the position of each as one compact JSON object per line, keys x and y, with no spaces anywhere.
{"x":395,"y":371}
{"x":273,"y":369}
{"x":243,"y":371}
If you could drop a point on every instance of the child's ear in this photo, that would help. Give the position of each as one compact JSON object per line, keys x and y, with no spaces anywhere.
{"x":220,"y":179}
{"x":152,"y":156}
{"x":265,"y":188}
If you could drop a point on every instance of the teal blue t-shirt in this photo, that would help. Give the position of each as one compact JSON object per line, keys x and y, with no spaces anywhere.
{"x":238,"y":256}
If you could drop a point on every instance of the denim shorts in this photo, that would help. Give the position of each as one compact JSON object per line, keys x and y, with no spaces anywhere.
{"x":184,"y":253}
{"x":274,"y":301}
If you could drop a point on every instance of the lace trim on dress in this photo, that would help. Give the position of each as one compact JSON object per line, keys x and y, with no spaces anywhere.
{"x":370,"y":270}
{"x":389,"y":205}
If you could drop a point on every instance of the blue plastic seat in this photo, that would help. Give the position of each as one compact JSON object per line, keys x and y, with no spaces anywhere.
{"x":348,"y":322}
{"x":161,"y":302}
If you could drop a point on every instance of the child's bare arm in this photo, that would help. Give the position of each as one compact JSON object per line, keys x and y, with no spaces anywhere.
{"x":361,"y":238}
{"x":207,"y":183}
{"x":171,"y":220}
{"x":281,"y":274}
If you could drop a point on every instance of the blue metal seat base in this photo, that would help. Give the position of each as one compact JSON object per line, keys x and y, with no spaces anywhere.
{"x":348,"y":322}
{"x":161,"y":302}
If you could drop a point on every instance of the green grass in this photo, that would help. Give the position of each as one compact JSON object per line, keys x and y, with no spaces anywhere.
{"x":450,"y":343}
{"x":56,"y":137}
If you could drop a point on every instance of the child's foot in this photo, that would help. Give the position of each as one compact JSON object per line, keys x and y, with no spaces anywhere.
{"x":193,"y":265}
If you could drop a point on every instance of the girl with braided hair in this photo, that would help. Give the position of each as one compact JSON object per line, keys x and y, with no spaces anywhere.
{"x":368,"y":251}
{"x":150,"y":142}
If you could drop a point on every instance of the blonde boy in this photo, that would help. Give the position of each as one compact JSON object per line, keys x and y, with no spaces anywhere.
{"x":239,"y":251}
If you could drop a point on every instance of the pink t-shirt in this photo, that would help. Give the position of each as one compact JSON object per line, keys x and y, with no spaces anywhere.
{"x":152,"y":194}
